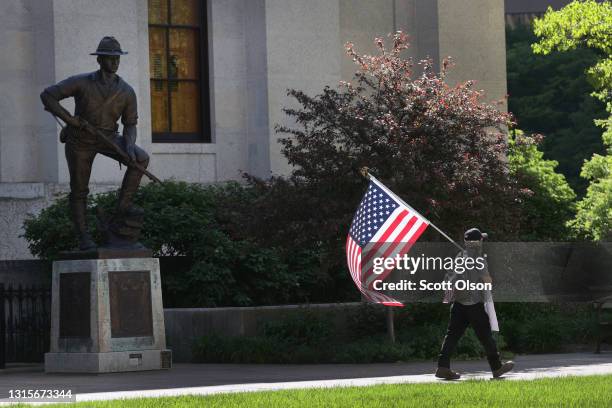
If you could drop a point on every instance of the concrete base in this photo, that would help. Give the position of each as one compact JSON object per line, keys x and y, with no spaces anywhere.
{"x":107,"y":316}
{"x":114,"y":361}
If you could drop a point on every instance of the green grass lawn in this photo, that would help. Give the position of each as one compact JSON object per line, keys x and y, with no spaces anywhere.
{"x":593,"y":391}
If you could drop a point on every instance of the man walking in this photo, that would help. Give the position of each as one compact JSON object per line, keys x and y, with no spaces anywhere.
{"x":101,"y":98}
{"x":468,"y":308}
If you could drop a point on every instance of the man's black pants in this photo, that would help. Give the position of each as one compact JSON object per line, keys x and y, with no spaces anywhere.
{"x":460,"y":317}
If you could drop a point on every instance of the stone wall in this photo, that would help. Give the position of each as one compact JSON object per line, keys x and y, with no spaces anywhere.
{"x":184,"y":326}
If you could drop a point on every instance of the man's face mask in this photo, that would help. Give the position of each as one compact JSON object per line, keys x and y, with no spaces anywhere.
{"x":474,"y":248}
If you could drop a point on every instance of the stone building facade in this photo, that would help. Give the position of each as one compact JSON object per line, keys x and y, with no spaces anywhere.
{"x":249,"y":52}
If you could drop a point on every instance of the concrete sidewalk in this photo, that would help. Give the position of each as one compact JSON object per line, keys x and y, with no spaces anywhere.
{"x":216,"y":378}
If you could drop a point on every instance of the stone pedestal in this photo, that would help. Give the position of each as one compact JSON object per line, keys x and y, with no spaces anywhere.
{"x":107,"y":316}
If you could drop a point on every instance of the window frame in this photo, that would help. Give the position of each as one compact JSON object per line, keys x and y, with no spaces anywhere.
{"x":204,"y":136}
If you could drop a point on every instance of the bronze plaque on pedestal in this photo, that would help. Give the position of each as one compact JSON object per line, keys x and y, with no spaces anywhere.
{"x":130,"y":304}
{"x":75,"y":297}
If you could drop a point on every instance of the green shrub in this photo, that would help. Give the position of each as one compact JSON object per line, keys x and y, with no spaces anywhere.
{"x":205,"y":225}
{"x":177,"y":216}
{"x":425,"y":340}
{"x":272,"y":350}
{"x":419,"y":314}
{"x":51,"y":231}
{"x":300,"y":328}
{"x":366,"y":320}
{"x":306,"y":337}
{"x":546,"y":328}
{"x":215,"y":349}
{"x":373,"y":350}
{"x":543,"y":334}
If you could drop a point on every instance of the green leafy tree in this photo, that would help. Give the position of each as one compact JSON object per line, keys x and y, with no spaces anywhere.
{"x":550,"y":95}
{"x":594,"y":216}
{"x":550,"y":203}
{"x":587,"y":24}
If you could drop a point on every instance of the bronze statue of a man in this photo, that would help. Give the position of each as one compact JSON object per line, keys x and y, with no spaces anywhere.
{"x":101,"y":98}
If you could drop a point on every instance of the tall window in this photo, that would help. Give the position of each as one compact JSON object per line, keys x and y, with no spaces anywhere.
{"x":178,"y":59}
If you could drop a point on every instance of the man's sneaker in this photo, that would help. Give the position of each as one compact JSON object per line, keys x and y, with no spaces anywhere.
{"x":447,"y":374}
{"x":507,"y":366}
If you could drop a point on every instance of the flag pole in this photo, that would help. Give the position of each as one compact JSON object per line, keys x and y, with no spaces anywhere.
{"x":391,"y":324}
{"x":365,"y":173}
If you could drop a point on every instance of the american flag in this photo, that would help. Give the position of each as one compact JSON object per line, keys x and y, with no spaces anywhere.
{"x":388,"y":227}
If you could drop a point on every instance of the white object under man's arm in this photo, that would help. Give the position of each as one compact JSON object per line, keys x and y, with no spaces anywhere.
{"x":488,"y":299}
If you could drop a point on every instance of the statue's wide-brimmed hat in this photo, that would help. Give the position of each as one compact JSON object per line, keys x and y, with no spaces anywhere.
{"x":109,"y":46}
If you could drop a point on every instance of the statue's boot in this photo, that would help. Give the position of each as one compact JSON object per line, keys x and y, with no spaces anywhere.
{"x":79,"y":217}
{"x":125,"y":206}
{"x":130,"y":184}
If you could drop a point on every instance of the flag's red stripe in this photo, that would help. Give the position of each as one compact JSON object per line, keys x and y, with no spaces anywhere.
{"x":407,"y":247}
{"x":348,"y":253}
{"x":400,"y":236}
{"x":355,"y":260}
{"x":402,"y":251}
{"x":351,"y":256}
{"x":349,"y":244}
{"x":415,"y":236}
{"x":418,"y":232}
{"x":398,"y":239}
{"x":381,"y":241}
{"x":393,"y":303}
{"x":355,"y":256}
{"x":353,"y":252}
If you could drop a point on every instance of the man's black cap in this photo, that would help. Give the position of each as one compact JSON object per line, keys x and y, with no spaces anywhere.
{"x":109,"y":46}
{"x":474,"y":234}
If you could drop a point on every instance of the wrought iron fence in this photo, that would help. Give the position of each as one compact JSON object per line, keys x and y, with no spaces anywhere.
{"x":25,"y":314}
